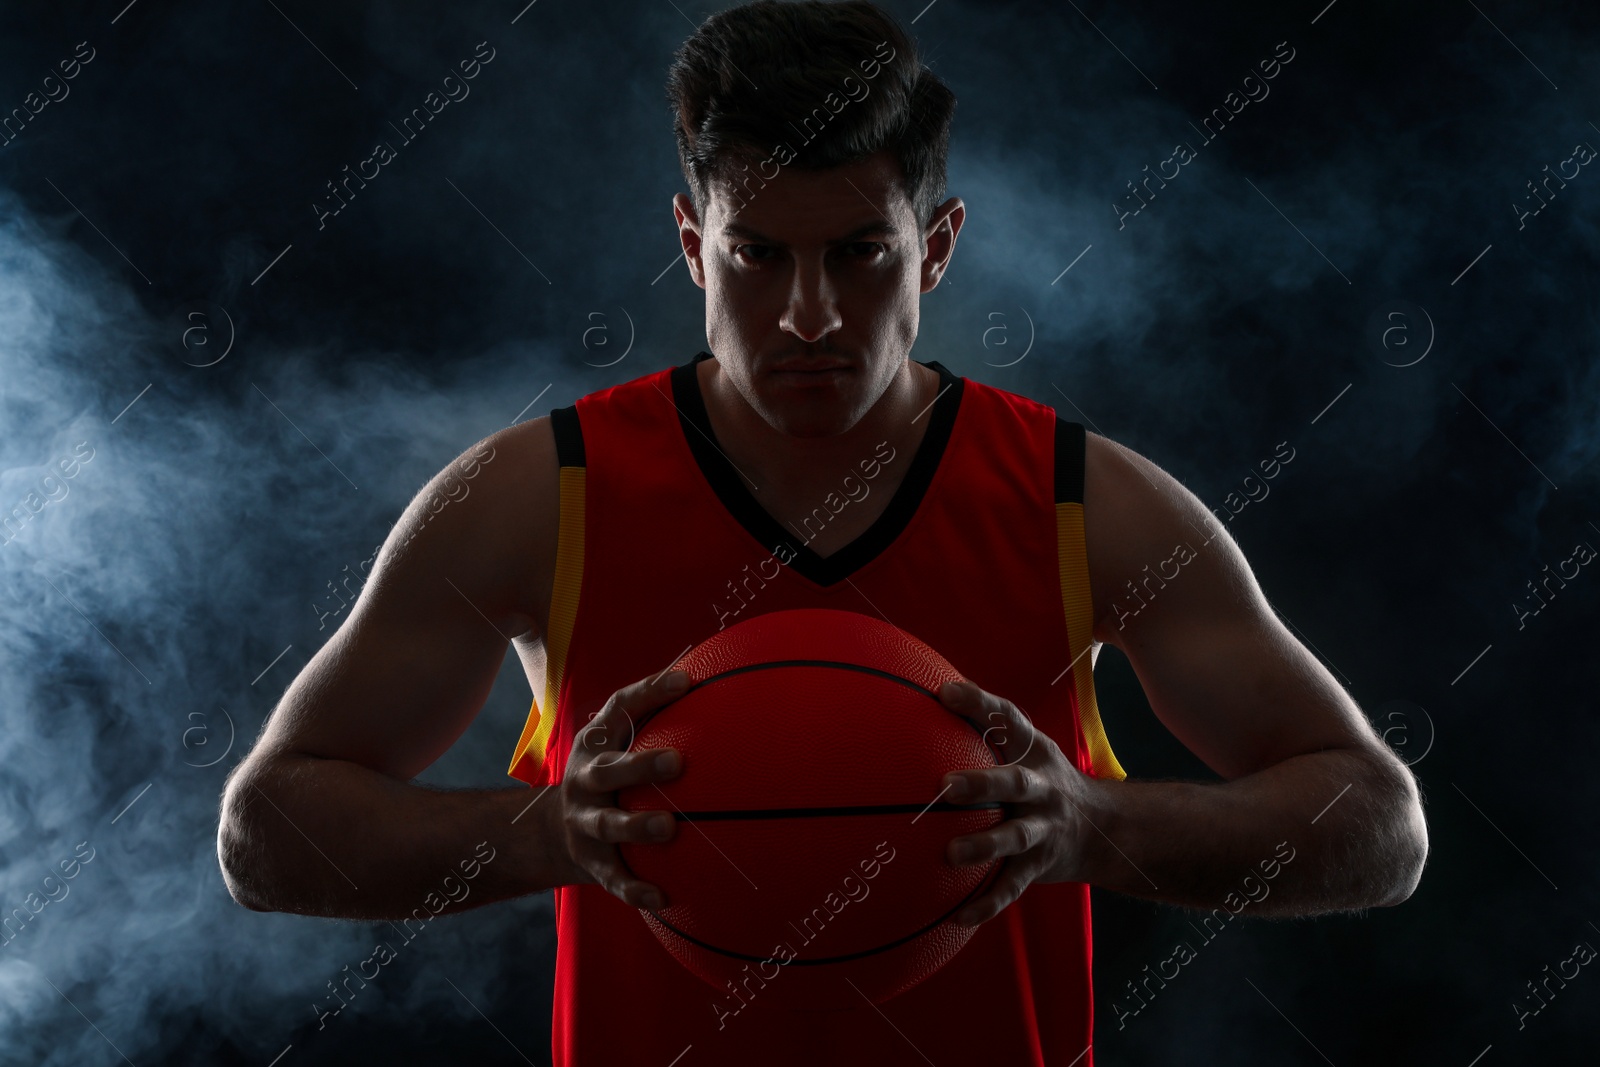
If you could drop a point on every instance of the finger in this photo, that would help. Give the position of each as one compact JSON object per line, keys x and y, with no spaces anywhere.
{"x":604,"y":864}
{"x":617,"y":880}
{"x":609,"y":772}
{"x":962,"y":698}
{"x":1011,"y":838}
{"x":613,"y":825}
{"x":612,"y":728}
{"x":1006,"y":729}
{"x":1007,"y":887}
{"x":1011,"y":782}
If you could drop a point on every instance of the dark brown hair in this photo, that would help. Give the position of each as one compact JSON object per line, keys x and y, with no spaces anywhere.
{"x":770,"y":74}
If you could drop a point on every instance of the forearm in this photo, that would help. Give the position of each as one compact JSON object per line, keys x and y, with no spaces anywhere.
{"x":333,"y":838}
{"x":1352,"y":820}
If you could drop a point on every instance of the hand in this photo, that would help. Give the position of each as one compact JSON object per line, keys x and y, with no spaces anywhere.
{"x":1044,"y":796}
{"x":588,"y":819}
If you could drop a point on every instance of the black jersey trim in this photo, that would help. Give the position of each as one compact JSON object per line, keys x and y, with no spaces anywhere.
{"x":730,"y":488}
{"x":569,"y":436}
{"x":1071,"y":439}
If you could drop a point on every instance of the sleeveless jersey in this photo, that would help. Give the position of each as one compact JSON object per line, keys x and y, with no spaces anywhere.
{"x":979,"y":553}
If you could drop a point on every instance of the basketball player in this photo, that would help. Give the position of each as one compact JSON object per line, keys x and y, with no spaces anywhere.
{"x":808,"y":461}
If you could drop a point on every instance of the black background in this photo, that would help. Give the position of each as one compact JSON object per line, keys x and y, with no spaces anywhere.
{"x":145,"y":609}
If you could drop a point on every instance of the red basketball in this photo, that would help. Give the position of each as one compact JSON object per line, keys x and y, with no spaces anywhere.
{"x":809,"y":860}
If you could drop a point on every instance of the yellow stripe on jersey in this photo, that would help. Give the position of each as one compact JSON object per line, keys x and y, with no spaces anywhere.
{"x":531,"y":748}
{"x":1076,"y":601}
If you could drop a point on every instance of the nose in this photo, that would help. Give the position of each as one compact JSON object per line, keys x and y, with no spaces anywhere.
{"x":812,"y":311}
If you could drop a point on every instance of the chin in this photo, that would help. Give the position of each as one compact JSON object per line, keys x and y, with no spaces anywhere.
{"x":808,"y":430}
{"x":825,"y":414}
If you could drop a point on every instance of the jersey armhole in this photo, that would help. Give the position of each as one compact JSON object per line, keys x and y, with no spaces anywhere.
{"x":1073,"y":564}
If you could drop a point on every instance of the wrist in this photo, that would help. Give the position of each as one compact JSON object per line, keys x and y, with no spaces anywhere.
{"x":547,"y":861}
{"x":1095,"y":820}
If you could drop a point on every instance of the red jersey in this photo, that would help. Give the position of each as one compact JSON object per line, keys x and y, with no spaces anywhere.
{"x":979,"y":553}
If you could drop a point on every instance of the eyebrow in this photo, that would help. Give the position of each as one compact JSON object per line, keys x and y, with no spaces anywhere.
{"x":874,"y":228}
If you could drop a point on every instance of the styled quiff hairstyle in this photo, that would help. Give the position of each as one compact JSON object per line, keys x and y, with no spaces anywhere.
{"x":798,"y":55}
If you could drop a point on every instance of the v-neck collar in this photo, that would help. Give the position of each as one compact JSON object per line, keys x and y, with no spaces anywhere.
{"x":729,"y":486}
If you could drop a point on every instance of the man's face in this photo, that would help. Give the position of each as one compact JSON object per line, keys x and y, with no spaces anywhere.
{"x":816,"y":268}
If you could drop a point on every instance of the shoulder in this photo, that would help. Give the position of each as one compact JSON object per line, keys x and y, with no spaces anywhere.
{"x":515,"y":468}
{"x":1142,"y":528}
{"x":488,"y":520}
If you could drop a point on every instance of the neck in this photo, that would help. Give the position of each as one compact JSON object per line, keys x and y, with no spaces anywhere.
{"x":771,"y":459}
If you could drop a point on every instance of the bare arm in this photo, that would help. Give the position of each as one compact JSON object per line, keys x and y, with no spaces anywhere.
{"x":321,"y":817}
{"x":1223,"y":674}
{"x":1316,"y":814}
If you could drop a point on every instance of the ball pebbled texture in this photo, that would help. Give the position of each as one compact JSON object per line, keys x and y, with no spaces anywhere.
{"x":811,"y":828}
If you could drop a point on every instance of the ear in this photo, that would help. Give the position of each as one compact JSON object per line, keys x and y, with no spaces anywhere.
{"x":939,"y":240}
{"x":689,"y":234}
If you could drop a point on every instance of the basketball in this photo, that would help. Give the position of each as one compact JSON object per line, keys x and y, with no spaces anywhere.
{"x":808,"y":866}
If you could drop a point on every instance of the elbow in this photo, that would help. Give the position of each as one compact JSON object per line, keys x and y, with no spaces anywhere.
{"x":241,"y":896}
{"x":235,"y":877}
{"x":1404,"y":831}
{"x":239,"y":874}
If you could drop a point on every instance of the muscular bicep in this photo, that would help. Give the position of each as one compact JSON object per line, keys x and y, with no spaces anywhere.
{"x":414,"y":662}
{"x":1218,"y":667}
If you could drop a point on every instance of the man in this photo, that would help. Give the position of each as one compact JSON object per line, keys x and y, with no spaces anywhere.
{"x":604,"y":540}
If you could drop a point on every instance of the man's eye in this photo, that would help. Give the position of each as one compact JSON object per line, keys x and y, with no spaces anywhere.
{"x":766,"y":254}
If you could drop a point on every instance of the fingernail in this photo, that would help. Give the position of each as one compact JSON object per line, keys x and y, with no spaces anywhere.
{"x":667,"y":762}
{"x":958,"y":787}
{"x":962,"y":852}
{"x":676,"y":681}
{"x":660,"y":826}
{"x":950,"y":691}
{"x":653,"y":901}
